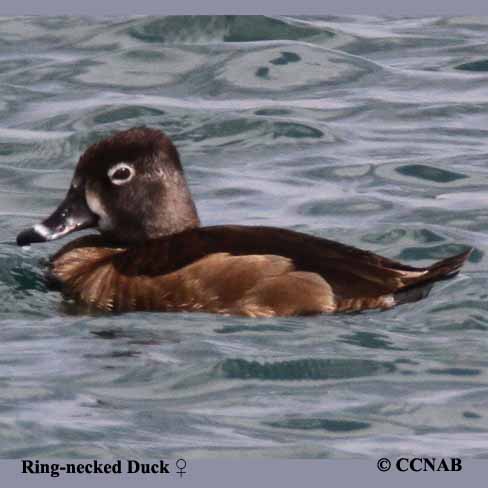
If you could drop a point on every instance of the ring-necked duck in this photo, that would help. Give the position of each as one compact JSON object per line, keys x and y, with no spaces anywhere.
{"x":152,"y":253}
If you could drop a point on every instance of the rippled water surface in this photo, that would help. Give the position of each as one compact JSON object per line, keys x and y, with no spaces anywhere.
{"x":365,"y":130}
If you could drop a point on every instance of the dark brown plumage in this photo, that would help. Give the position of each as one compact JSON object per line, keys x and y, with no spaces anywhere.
{"x":152,"y":254}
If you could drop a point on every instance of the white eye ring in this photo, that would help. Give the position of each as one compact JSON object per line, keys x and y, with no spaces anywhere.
{"x":128,"y":174}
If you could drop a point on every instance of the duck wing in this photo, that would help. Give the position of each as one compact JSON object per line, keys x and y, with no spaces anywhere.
{"x":350,"y":271}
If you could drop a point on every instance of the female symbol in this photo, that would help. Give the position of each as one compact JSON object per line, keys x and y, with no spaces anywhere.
{"x":181,"y":465}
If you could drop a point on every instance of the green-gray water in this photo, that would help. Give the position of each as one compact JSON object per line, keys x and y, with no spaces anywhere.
{"x":365,"y":130}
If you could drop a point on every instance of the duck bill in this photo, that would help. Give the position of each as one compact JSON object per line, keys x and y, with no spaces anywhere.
{"x":73,"y":214}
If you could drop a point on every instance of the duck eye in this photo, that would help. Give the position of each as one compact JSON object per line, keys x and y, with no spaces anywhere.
{"x":121,"y":173}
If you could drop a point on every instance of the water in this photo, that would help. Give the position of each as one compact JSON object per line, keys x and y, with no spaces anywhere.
{"x":365,"y":130}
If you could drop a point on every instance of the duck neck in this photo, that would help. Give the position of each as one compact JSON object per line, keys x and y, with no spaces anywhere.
{"x":176,"y":214}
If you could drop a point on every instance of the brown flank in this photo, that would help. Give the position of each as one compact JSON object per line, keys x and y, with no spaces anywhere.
{"x":250,"y":271}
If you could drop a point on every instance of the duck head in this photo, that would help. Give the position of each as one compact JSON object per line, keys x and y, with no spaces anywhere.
{"x":130,"y":186}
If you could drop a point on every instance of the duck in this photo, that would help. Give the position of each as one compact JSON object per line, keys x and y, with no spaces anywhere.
{"x":151,"y":252}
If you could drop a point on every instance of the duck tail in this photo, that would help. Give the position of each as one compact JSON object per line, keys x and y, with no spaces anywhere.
{"x":441,"y":270}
